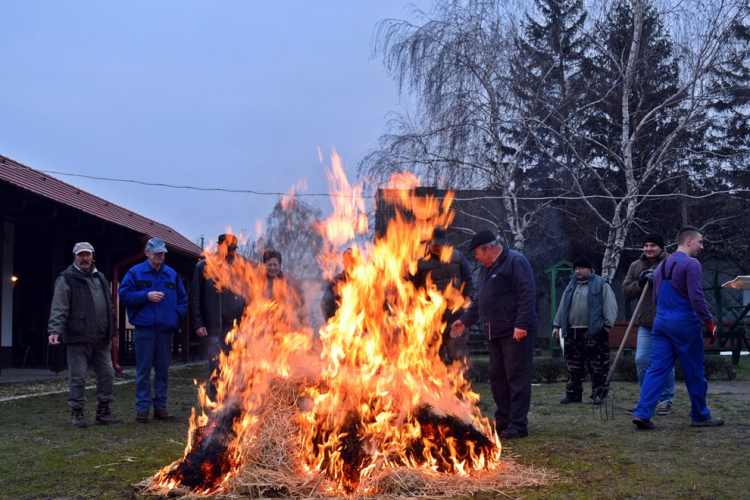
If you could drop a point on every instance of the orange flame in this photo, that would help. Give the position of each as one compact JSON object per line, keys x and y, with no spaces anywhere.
{"x":379,"y":394}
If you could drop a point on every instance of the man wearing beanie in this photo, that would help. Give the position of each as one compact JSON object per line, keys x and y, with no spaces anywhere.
{"x":588,"y":309}
{"x":505,"y":303}
{"x":639,"y":273}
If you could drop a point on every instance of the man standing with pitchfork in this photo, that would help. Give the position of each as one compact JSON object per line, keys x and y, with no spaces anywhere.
{"x":639,"y":273}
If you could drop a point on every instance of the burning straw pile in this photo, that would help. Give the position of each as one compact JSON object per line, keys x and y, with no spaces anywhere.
{"x":273,"y":470}
{"x":369,"y":410}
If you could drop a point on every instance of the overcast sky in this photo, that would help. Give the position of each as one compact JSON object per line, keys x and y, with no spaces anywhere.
{"x":229,"y":94}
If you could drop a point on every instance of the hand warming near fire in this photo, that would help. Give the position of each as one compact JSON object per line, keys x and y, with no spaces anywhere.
{"x":505,"y":303}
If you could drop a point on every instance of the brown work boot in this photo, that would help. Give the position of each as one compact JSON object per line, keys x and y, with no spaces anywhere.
{"x":141,"y":417}
{"x":78,"y":419}
{"x":105,"y":417}
{"x":163,"y":414}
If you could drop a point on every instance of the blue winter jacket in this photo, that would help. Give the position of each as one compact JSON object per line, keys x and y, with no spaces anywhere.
{"x":164,"y":316}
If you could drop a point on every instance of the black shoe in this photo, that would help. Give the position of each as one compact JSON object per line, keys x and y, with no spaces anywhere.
{"x":79,"y":420}
{"x":711,"y":422}
{"x":513,"y":434}
{"x":141,"y":417}
{"x":567,"y":400}
{"x":105,"y":417}
{"x":643,"y":423}
{"x":630,"y":411}
{"x":597,"y":401}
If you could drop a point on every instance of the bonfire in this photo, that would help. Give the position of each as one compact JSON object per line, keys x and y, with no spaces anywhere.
{"x":365,"y":406}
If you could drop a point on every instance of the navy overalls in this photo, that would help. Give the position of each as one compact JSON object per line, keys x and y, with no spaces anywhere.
{"x":677,"y":335}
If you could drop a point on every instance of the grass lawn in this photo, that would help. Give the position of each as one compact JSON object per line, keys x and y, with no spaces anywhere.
{"x":43,"y":457}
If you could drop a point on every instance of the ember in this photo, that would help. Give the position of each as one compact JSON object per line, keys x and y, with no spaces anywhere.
{"x":208,"y":461}
{"x":371,"y":395}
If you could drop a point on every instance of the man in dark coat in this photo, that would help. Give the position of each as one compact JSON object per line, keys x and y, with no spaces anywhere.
{"x":505,"y":304}
{"x":447,"y":266}
{"x":213,"y":312}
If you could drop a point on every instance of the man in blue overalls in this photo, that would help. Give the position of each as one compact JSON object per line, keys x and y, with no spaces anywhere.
{"x":681,"y":309}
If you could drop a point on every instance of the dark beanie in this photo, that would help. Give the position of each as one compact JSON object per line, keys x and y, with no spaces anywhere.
{"x":482,"y":238}
{"x":582,"y":261}
{"x":654,"y":238}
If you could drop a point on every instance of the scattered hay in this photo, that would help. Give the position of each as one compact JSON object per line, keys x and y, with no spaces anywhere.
{"x":273,"y":469}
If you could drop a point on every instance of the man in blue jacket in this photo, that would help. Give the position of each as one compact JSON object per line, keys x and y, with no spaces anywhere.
{"x":505,"y":303}
{"x":156,"y":302}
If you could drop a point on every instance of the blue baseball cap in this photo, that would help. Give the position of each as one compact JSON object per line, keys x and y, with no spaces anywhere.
{"x":156,"y":245}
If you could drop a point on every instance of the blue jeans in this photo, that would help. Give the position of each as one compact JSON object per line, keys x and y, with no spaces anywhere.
{"x":643,"y":361}
{"x":152,"y":349}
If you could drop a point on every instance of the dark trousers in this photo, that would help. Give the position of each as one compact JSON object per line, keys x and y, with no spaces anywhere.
{"x":510,"y":380}
{"x":215,"y":345}
{"x":584,"y":353}
{"x":454,"y":349}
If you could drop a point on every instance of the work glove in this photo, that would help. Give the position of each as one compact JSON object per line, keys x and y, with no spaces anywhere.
{"x":646,"y":276}
{"x":713,"y":330}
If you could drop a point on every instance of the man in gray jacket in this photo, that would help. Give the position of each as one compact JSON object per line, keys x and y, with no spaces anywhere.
{"x":588,"y":309}
{"x":83,"y":319}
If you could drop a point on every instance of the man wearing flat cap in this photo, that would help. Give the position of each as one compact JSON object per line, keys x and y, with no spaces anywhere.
{"x":214,"y":310}
{"x":588,"y":309}
{"x":83,"y":319}
{"x":639,"y":273}
{"x":156,"y":302}
{"x":505,"y":304}
{"x":444,"y":265}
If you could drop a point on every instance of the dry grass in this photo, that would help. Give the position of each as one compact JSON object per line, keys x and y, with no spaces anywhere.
{"x":273,"y":469}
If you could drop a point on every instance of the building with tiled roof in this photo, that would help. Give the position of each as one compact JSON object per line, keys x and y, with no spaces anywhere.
{"x":42,"y":218}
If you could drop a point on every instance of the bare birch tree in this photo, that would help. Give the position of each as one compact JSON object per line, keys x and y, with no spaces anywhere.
{"x":291,"y":230}
{"x":464,"y":134}
{"x":640,"y":125}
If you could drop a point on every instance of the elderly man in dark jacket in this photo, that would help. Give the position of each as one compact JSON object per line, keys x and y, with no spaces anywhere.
{"x":213,"y":312}
{"x":639,"y":273}
{"x":82,"y":317}
{"x":505,"y":303}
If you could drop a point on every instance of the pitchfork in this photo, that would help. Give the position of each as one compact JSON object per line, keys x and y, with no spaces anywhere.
{"x":605,"y":393}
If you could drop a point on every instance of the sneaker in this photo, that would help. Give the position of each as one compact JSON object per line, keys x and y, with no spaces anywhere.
{"x":105,"y":417}
{"x":630,"y":411}
{"x":711,"y":422}
{"x":643,"y":423}
{"x":664,"y":408}
{"x":141,"y":417}
{"x":163,"y":414}
{"x":597,"y":401}
{"x":567,"y":400}
{"x":79,"y":420}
